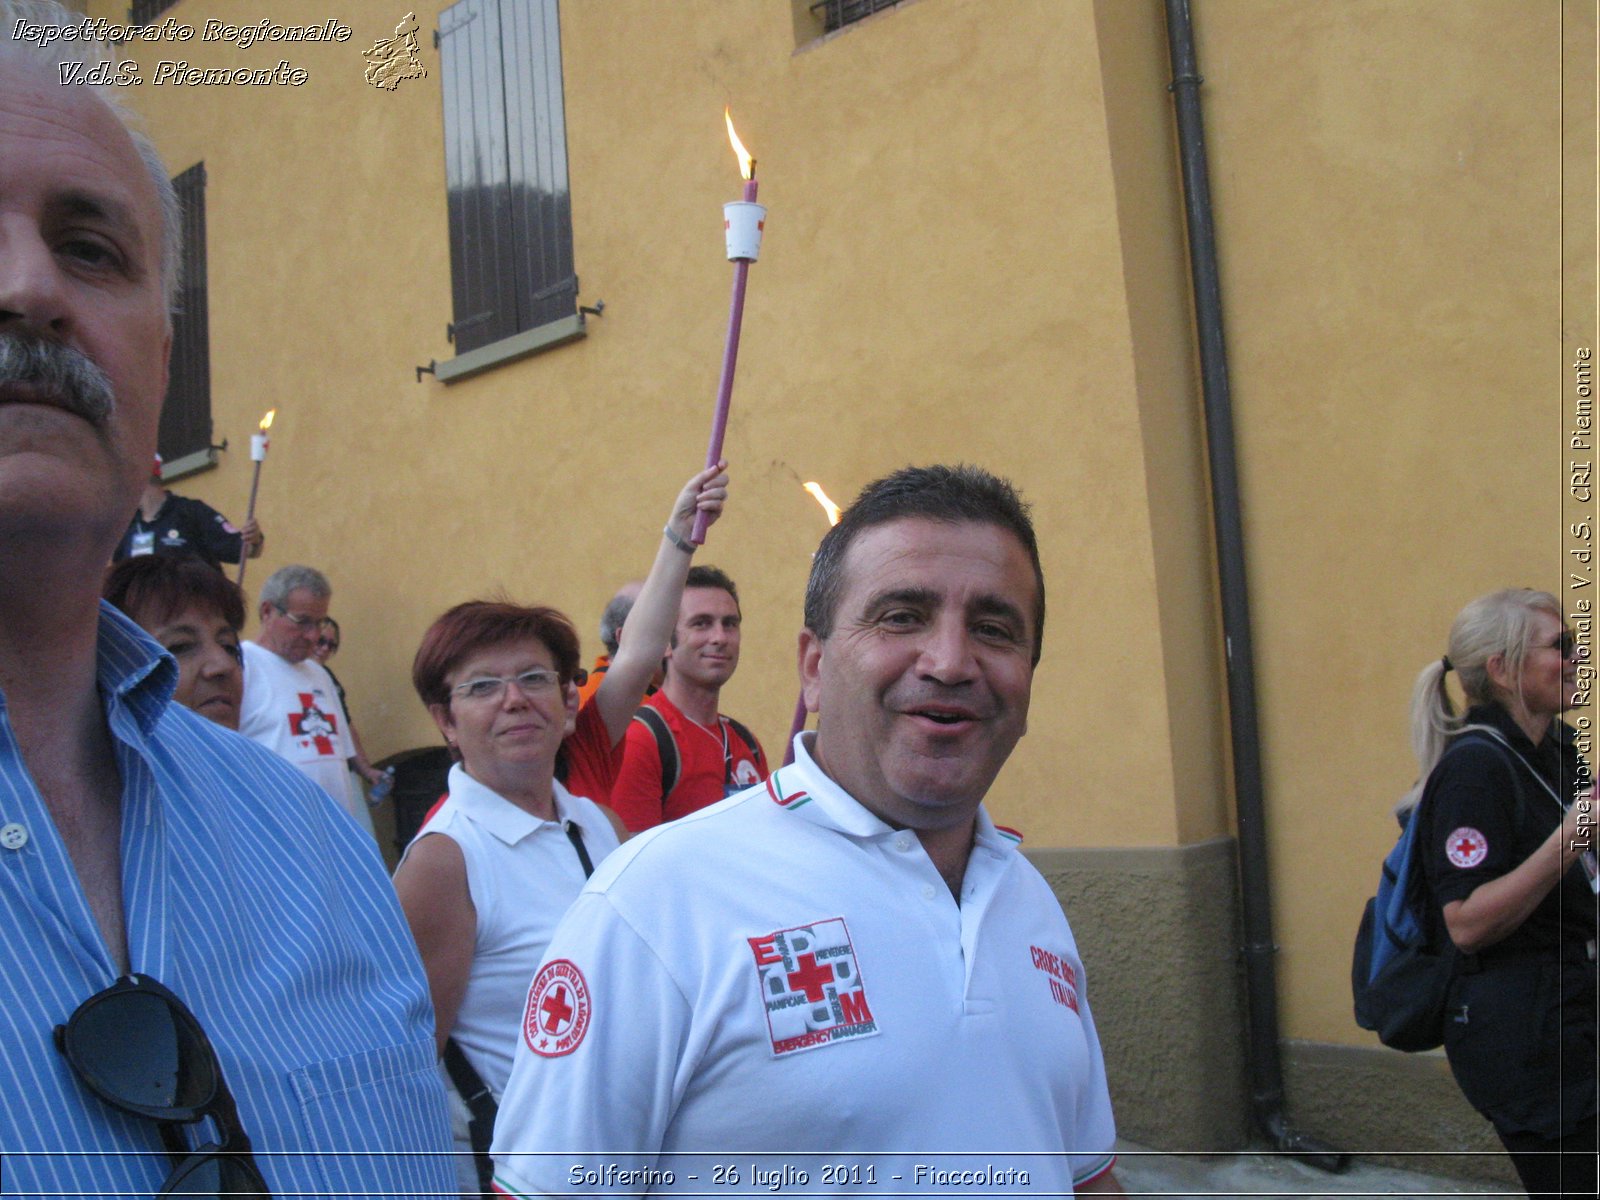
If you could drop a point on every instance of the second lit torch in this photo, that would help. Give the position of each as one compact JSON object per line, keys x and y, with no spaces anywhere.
{"x":258,"y":455}
{"x":800,"y":710}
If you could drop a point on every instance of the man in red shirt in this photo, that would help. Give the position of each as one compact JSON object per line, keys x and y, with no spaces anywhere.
{"x":681,"y":753}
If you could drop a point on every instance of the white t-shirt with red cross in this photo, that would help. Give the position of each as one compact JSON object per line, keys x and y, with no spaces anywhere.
{"x":293,"y":710}
{"x":784,"y":973}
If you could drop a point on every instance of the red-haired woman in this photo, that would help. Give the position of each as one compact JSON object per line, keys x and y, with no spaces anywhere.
{"x":498,"y":863}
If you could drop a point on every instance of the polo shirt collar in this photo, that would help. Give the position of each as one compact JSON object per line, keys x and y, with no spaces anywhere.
{"x":505,"y":820}
{"x":807,"y":791}
{"x":1497,"y":716}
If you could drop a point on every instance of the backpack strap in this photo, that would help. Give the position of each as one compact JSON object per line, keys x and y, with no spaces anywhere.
{"x":1516,"y":754}
{"x":749,"y":740}
{"x":1407,"y":878}
{"x":666,"y":747}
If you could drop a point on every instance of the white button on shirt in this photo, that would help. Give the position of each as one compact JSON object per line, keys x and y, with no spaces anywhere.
{"x":13,"y":836}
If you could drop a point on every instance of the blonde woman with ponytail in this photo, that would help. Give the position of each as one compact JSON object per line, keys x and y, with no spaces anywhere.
{"x":1507,"y":843}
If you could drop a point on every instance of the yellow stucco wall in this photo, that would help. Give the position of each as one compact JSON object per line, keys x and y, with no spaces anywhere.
{"x":944,"y":280}
{"x":974,"y":250}
{"x":1388,"y":181}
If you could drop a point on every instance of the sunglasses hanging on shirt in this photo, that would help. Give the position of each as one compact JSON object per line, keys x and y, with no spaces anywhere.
{"x":139,"y":1048}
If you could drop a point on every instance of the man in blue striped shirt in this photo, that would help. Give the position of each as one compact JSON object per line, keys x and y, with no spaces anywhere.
{"x":135,"y":837}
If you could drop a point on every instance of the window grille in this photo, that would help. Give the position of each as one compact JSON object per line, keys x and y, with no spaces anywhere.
{"x":836,"y":14}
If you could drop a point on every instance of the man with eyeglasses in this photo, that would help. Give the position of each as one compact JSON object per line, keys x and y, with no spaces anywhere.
{"x":291,"y":703}
{"x":206,"y":986}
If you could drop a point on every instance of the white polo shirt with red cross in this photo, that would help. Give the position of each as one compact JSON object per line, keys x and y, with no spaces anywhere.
{"x":783,"y":985}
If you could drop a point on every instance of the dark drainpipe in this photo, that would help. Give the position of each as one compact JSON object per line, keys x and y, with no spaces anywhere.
{"x":1266,"y":1068}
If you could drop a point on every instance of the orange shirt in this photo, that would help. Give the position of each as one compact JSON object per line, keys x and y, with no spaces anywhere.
{"x":591,"y":685}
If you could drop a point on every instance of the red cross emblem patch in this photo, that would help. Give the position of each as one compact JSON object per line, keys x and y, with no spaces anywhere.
{"x":314,"y":726}
{"x":1466,"y":847}
{"x":811,"y":987}
{"x":558,"y":1010}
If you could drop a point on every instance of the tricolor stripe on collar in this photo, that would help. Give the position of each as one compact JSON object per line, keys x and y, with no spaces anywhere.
{"x":792,"y":801}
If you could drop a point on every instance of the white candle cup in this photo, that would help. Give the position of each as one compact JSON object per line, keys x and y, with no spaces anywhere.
{"x":742,"y":222}
{"x":258,"y":447}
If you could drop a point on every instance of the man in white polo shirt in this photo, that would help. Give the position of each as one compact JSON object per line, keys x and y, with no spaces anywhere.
{"x":850,"y":958}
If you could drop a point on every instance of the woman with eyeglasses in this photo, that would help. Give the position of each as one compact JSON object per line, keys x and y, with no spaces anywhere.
{"x":496,"y":866}
{"x":1507,"y":843}
{"x":327,"y":645}
{"x":195,"y":612}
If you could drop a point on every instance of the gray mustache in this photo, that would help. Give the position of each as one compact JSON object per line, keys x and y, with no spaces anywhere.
{"x":67,"y":376}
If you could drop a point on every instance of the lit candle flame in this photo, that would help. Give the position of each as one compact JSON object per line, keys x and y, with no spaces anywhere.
{"x":828,"y":506}
{"x":266,"y":421}
{"x":747,"y":164}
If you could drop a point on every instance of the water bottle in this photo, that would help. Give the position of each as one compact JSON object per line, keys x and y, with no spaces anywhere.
{"x":382,"y":790}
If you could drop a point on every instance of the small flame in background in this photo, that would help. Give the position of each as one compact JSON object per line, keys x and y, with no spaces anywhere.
{"x":747,"y":164}
{"x":828,"y":506}
{"x":266,"y":421}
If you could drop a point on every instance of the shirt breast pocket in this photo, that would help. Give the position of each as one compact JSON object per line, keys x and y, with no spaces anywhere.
{"x":376,"y":1121}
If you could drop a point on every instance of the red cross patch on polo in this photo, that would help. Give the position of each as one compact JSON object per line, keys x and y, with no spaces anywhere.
{"x":811,"y":987}
{"x":558,"y":1010}
{"x":1466,"y":847}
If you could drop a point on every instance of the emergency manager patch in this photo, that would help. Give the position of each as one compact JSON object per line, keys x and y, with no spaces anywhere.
{"x":558,"y":1010}
{"x":811,"y":987}
{"x":1466,"y":847}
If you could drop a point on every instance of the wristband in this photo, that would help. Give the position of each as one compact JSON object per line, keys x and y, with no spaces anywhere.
{"x":677,"y":539}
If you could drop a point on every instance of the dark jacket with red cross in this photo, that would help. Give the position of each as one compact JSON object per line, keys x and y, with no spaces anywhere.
{"x":1520,"y":1029}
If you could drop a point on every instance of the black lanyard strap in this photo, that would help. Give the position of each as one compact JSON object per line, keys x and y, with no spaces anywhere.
{"x":575,"y":836}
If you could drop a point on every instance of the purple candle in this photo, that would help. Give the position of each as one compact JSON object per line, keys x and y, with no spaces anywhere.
{"x":743,"y":222}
